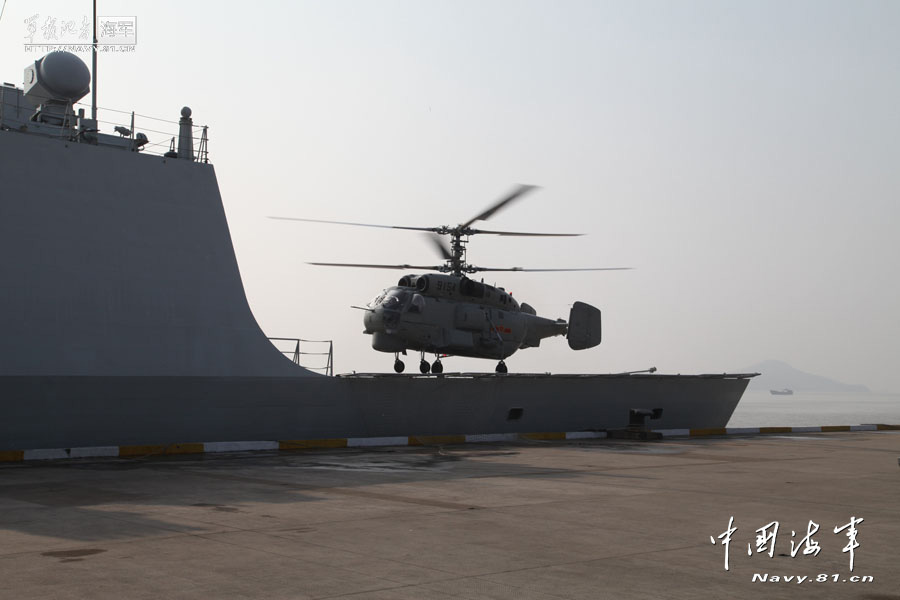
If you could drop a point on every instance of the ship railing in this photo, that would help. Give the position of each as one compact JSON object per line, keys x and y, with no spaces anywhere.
{"x":163,"y":131}
{"x":291,"y":347}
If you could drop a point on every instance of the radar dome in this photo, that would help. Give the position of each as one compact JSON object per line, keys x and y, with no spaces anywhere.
{"x":64,"y":75}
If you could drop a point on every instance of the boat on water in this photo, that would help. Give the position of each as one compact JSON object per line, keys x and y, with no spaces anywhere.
{"x":783,"y":392}
{"x":124,"y":319}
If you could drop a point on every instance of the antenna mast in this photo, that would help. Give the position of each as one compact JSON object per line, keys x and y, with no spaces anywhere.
{"x":94,"y":69}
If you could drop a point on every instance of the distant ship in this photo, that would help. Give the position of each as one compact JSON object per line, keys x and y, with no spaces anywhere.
{"x":123,"y":318}
{"x":784,"y":392}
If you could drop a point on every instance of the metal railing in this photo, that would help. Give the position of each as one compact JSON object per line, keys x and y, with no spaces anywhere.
{"x":136,"y":122}
{"x":131,"y":121}
{"x":294,"y":353}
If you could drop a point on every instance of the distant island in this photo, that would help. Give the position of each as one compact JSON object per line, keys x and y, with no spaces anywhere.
{"x":778,"y":375}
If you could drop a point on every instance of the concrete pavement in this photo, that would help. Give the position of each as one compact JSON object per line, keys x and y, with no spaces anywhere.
{"x":542,"y":520}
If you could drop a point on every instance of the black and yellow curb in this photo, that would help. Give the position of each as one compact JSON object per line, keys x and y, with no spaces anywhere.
{"x":147,"y":450}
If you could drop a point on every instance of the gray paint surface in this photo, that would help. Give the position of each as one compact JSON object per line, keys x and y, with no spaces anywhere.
{"x":125,"y":321}
{"x":116,"y":263}
{"x":64,"y":412}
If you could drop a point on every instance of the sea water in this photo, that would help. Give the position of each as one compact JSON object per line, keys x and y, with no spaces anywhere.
{"x":762,"y":409}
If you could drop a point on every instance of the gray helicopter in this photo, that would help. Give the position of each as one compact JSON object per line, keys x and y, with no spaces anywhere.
{"x":448,"y":314}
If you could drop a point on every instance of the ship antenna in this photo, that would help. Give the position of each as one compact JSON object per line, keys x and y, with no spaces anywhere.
{"x":93,"y":69}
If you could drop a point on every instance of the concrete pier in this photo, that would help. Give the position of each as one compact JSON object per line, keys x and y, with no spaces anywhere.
{"x":532,"y":519}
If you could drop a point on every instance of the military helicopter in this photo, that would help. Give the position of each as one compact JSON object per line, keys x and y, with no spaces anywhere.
{"x":448,"y":314}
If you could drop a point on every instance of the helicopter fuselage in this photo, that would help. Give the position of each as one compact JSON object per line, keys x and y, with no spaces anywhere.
{"x":454,"y":315}
{"x":450,"y":314}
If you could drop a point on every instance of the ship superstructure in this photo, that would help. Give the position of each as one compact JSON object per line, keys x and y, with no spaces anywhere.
{"x":115,"y":262}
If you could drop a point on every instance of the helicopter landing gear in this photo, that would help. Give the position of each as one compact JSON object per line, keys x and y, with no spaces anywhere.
{"x":398,"y":364}
{"x":501,"y":367}
{"x":436,"y":367}
{"x":424,"y":367}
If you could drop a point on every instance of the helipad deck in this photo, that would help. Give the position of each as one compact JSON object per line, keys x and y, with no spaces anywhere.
{"x":532,"y":519}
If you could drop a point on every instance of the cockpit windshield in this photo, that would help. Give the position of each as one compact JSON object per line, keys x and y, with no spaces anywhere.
{"x":418,"y":304}
{"x":396,"y":299}
{"x":376,"y":301}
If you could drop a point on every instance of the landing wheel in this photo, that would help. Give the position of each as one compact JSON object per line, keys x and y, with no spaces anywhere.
{"x":424,"y":367}
{"x":437,"y":368}
{"x":398,"y":365}
{"x":501,"y":367}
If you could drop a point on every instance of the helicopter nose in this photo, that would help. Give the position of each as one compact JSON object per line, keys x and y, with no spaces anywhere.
{"x":374,"y":320}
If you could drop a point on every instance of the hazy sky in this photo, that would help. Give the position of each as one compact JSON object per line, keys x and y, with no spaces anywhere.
{"x":742,"y":156}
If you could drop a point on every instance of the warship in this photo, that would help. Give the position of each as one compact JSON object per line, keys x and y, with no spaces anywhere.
{"x":124,"y":319}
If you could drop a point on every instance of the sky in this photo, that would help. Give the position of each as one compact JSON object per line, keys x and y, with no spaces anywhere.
{"x":742,"y":157}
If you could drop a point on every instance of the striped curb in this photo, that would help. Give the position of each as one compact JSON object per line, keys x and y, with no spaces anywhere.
{"x":771,"y":430}
{"x":139,"y":451}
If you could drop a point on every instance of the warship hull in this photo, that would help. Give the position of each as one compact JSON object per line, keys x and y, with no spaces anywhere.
{"x":124,"y":321}
{"x":66,"y":412}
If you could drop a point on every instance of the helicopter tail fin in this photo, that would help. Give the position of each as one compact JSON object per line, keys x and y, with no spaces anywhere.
{"x":584,"y":326}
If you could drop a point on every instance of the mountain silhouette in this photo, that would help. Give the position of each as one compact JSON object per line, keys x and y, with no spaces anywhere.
{"x":777,"y":375}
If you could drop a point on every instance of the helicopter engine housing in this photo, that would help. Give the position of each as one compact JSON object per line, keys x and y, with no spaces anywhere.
{"x":438,"y":286}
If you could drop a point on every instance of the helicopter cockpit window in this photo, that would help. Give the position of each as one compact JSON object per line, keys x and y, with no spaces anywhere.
{"x":396,"y":300}
{"x":392,"y":303}
{"x":418,"y":304}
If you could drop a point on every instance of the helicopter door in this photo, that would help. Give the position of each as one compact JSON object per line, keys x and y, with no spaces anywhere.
{"x":490,"y":337}
{"x":469,"y":317}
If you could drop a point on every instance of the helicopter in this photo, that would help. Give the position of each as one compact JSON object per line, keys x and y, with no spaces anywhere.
{"x":449,"y":314}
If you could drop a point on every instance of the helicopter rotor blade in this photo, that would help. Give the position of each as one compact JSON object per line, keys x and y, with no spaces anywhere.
{"x":370,"y":266}
{"x":441,"y":246}
{"x":523,"y":233}
{"x":474,"y":269}
{"x":515,"y":194}
{"x":432,"y":229}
